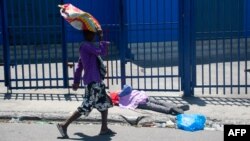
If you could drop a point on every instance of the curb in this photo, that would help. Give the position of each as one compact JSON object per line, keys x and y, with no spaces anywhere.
{"x":22,"y":116}
{"x":112,"y":118}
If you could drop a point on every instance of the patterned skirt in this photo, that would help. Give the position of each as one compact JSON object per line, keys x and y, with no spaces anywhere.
{"x":95,"y":97}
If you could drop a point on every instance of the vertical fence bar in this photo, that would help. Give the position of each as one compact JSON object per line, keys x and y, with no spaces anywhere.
{"x":180,"y":62}
{"x":130,"y":44}
{"x":223,"y":44}
{"x":180,"y":43}
{"x":64,"y":53}
{"x":35,"y":39}
{"x":158,"y":29}
{"x":164,"y":44}
{"x":111,"y":65}
{"x":55,"y":46}
{"x":194,"y":46}
{"x":133,"y":23}
{"x":21,"y":42}
{"x":209,"y":47}
{"x":239,"y":40}
{"x":231,"y":52}
{"x":41,"y":40}
{"x":123,"y":39}
{"x":117,"y":39}
{"x":14,"y":41}
{"x":143,"y":38}
{"x":6,"y":49}
{"x":202,"y":49}
{"x":246,"y":46}
{"x":217,"y":34}
{"x":150,"y":39}
{"x":47,"y":34}
{"x":27,"y":41}
{"x":137,"y":37}
{"x":171,"y":42}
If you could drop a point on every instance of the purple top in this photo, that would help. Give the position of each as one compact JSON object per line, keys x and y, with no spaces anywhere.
{"x":132,"y":100}
{"x":88,"y":62}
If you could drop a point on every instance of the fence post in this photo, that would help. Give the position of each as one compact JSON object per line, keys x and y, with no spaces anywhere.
{"x":186,"y":44}
{"x":180,"y":43}
{"x":123,"y":39}
{"x":6,"y":49}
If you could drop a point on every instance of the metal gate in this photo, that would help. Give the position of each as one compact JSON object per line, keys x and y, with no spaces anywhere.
{"x":156,"y":45}
{"x":152,"y":62}
{"x":33,"y":44}
{"x":137,"y":57}
{"x":222,"y":47}
{"x":42,"y":47}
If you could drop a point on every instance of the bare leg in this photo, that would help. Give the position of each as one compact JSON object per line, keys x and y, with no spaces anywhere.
{"x":104,"y":127}
{"x":62,"y":127}
{"x":72,"y":118}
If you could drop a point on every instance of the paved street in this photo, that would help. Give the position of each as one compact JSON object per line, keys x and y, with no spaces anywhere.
{"x":48,"y":132}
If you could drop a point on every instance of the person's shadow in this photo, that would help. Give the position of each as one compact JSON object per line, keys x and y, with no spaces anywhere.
{"x":84,"y":137}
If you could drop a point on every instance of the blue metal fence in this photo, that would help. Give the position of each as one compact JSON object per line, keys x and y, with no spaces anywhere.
{"x":33,"y":44}
{"x":156,"y":45}
{"x":6,"y":59}
{"x":153,"y":28}
{"x":152,"y":21}
{"x":222,"y":47}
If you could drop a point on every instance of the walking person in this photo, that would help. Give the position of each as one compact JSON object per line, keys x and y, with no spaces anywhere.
{"x":95,"y":95}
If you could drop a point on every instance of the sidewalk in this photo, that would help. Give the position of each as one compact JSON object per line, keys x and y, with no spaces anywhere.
{"x":51,"y":106}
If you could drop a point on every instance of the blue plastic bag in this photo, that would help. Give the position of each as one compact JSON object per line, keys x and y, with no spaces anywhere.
{"x":191,"y":122}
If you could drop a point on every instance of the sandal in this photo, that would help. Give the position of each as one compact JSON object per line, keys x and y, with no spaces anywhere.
{"x":108,"y":132}
{"x":62,"y":132}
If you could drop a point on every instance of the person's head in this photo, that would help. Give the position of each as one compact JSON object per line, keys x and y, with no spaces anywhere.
{"x":89,"y":35}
